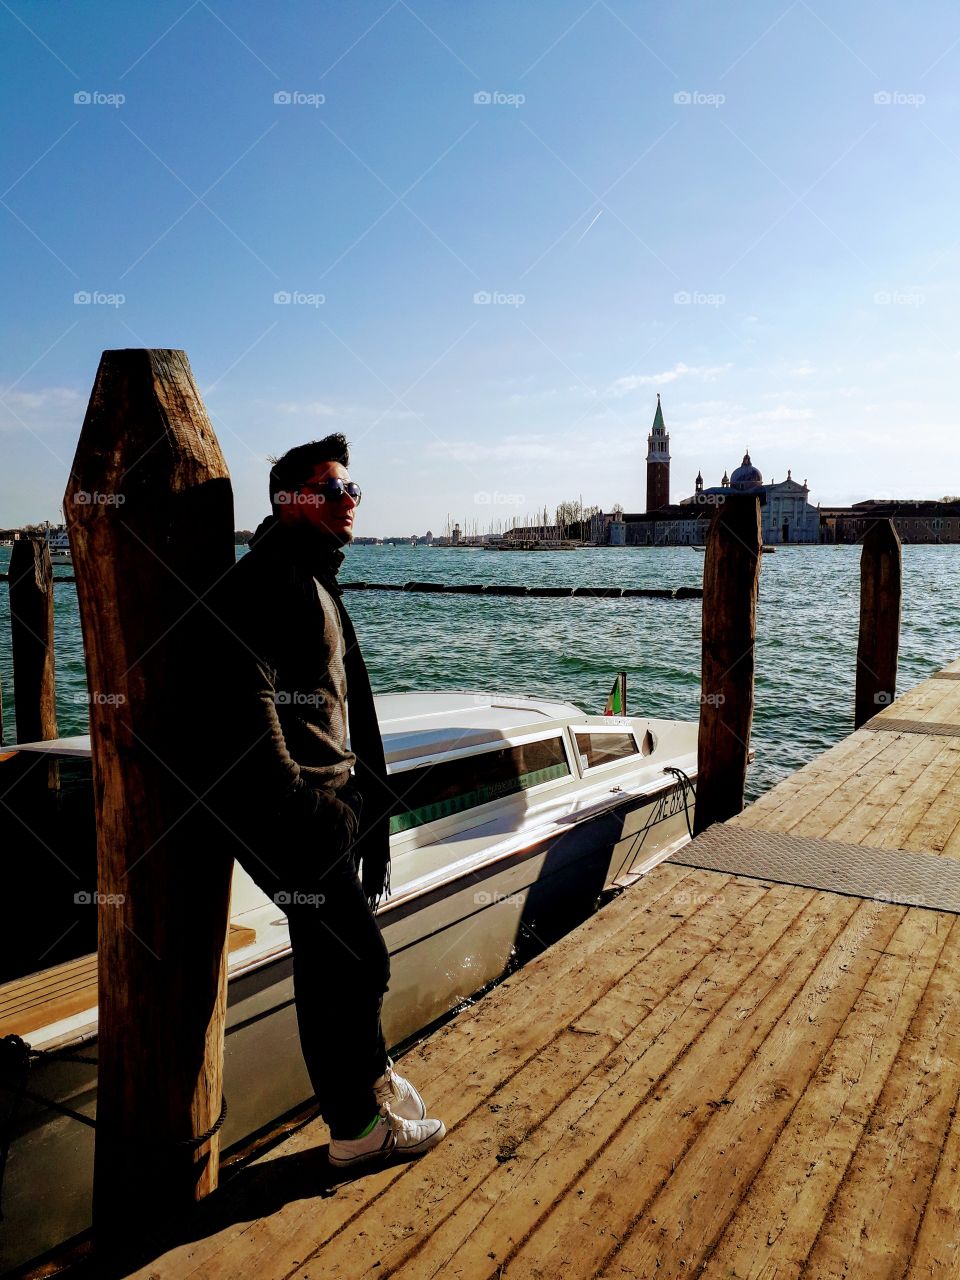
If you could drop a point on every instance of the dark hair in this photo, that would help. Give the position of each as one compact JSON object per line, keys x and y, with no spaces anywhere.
{"x":295,"y":467}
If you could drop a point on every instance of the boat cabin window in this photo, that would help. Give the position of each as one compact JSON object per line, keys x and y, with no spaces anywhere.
{"x":437,"y":790}
{"x":603,"y":748}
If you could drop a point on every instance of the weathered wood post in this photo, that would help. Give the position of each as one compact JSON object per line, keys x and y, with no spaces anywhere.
{"x":30,"y":580}
{"x":731,"y":575}
{"x":150,"y":513}
{"x":881,"y":595}
{"x":31,"y":634}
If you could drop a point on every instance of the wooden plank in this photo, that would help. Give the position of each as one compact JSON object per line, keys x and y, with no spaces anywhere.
{"x":27,"y":1004}
{"x":769,"y":1041}
{"x":933,"y":700}
{"x":891,"y":829}
{"x":791,"y":798}
{"x":782,"y":1209}
{"x":917,"y":773}
{"x":629,"y":926}
{"x":872,"y":1223}
{"x":826,"y":793}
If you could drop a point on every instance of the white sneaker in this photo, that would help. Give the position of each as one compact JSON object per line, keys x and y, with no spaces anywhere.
{"x":399,"y":1095}
{"x":391,"y":1135}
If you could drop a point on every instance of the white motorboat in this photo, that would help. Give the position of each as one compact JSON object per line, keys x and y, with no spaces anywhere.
{"x":516,"y":815}
{"x":58,"y":543}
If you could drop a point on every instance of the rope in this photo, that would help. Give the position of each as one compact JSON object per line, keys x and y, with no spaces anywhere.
{"x":16,"y":1054}
{"x":688,"y":790}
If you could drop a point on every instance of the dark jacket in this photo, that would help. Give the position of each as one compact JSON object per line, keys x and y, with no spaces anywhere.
{"x":281,"y":698}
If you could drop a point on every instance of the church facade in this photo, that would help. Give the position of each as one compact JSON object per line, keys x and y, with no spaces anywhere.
{"x":785,"y":509}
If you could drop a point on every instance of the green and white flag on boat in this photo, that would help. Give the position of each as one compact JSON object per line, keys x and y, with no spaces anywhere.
{"x":617,"y":700}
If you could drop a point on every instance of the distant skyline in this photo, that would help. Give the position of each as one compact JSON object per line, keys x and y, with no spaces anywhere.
{"x":480,"y":239}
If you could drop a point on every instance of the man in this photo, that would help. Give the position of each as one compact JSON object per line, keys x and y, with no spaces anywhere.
{"x":305,"y":808}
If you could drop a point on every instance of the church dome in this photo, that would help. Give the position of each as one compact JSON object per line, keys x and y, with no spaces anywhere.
{"x":746,"y":475}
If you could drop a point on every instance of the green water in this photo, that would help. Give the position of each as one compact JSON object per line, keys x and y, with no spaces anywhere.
{"x":571,"y":648}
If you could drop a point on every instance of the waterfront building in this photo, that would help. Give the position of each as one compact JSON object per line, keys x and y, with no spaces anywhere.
{"x":915,"y":521}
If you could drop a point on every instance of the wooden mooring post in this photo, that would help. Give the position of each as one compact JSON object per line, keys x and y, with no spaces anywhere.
{"x":30,"y":579}
{"x":150,"y":514}
{"x":731,"y":575}
{"x":881,"y":598}
{"x":31,"y":634}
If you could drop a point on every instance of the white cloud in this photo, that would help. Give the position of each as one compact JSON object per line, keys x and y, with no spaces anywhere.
{"x":510,"y":449}
{"x":705,"y":373}
{"x":321,"y":409}
{"x":782,"y":413}
{"x":49,"y":407}
{"x":309,"y":409}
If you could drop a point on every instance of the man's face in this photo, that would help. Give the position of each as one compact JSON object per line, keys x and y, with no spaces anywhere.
{"x":310,"y":505}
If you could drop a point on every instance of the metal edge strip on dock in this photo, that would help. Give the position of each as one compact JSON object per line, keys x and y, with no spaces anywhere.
{"x":937,"y":727}
{"x":924,"y":880}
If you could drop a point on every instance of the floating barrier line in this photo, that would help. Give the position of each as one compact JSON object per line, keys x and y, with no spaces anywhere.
{"x":503,"y":589}
{"x":514,"y":589}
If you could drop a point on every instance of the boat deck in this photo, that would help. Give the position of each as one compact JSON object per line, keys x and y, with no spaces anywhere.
{"x":718,"y":1074}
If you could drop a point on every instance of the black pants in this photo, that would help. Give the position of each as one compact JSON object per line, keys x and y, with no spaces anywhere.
{"x":341,"y":969}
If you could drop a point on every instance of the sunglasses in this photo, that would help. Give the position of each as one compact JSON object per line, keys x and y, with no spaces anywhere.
{"x":334,"y":490}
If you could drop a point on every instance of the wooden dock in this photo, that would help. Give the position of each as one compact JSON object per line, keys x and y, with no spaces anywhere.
{"x":718,"y":1074}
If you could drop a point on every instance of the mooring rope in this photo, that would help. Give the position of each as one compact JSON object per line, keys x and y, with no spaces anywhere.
{"x":17,"y":1057}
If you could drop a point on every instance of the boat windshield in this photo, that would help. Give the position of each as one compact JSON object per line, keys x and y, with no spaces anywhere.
{"x":437,"y":790}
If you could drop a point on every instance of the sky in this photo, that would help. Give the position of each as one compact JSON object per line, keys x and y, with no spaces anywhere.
{"x":479,"y":238}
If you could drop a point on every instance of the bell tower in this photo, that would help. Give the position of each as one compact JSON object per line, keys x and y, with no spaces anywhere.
{"x":658,"y":463}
